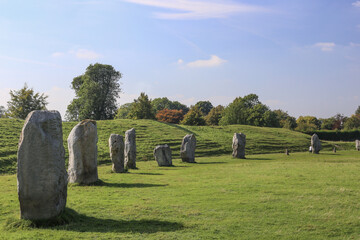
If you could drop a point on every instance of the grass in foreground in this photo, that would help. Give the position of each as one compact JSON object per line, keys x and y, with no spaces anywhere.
{"x":270,"y":196}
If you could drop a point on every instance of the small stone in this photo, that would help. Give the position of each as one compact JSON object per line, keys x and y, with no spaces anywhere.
{"x":286,"y":151}
{"x":130,"y":149}
{"x":187,"y":149}
{"x":315,"y":144}
{"x":116,"y":145}
{"x":41,"y":173}
{"x":162,"y":154}
{"x":334,"y":149}
{"x":238,"y":146}
{"x":357,"y":145}
{"x":82,"y":144}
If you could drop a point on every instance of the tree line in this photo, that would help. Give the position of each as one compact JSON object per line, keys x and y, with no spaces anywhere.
{"x":97,"y":91}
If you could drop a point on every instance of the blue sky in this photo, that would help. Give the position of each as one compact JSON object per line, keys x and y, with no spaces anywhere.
{"x":302,"y":56}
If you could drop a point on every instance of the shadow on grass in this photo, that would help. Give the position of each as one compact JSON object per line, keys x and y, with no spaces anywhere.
{"x":259,"y":159}
{"x":211,"y":162}
{"x":73,"y":221}
{"x":101,"y":183}
{"x":148,"y":173}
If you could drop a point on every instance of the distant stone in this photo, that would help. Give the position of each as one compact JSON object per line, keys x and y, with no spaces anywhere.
{"x":187,"y":150}
{"x":116,"y":145}
{"x":357,"y":145}
{"x":315,"y":144}
{"x":41,"y":174}
{"x":130,"y":149}
{"x":334,"y":149}
{"x":82,"y":144}
{"x":286,"y":151}
{"x":162,"y":154}
{"x":238,"y":145}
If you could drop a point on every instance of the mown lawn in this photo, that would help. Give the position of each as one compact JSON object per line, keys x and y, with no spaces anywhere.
{"x":268,"y":196}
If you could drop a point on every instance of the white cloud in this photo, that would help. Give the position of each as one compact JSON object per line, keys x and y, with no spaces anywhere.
{"x":356,"y":4}
{"x":354,"y":44}
{"x":214,"y":61}
{"x":57,"y":54}
{"x":325,"y":46}
{"x":180,"y":61}
{"x":86,"y":54}
{"x":198,"y":9}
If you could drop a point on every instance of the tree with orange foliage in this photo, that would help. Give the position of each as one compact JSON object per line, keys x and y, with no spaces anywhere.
{"x":170,"y":116}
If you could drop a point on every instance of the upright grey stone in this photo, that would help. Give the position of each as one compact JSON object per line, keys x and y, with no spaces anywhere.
{"x":357,"y":145}
{"x":82,"y":144}
{"x":116,"y":145}
{"x":130,"y":149}
{"x":187,"y":149}
{"x":315,"y":144}
{"x":162,"y":154}
{"x":41,"y":174}
{"x":238,"y":145}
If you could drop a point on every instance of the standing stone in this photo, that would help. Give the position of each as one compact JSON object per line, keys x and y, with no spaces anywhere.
{"x":286,"y":151}
{"x":82,"y":144}
{"x":162,"y":154}
{"x":238,"y":145}
{"x":187,"y":150}
{"x":315,"y":144}
{"x":41,"y":174}
{"x":334,"y":149}
{"x":116,"y":145}
{"x":130,"y":149}
{"x":357,"y":145}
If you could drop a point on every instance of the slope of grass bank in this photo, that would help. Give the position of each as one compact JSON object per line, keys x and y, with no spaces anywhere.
{"x":267,"y":196}
{"x":211,"y":141}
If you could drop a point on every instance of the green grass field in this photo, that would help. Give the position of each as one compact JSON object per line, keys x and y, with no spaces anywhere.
{"x":267,"y":196}
{"x":211,"y":141}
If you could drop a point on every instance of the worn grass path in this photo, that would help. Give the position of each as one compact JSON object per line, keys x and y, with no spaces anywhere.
{"x":268,"y":196}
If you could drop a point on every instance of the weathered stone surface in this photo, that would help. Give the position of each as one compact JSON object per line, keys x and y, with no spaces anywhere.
{"x":82,"y":144}
{"x":187,"y":149}
{"x":287,"y":151}
{"x":238,"y":145}
{"x":130,"y":149}
{"x":357,"y":145}
{"x":315,"y":144}
{"x":116,"y":145}
{"x":162,"y":154}
{"x":41,"y":174}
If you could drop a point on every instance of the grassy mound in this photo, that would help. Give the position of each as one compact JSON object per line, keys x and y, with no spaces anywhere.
{"x":267,"y":196}
{"x":215,"y":140}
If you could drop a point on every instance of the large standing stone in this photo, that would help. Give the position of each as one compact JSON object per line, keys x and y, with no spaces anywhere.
{"x":357,"y":145}
{"x":162,"y":155}
{"x":116,"y":145}
{"x":187,"y":150}
{"x":41,"y":174}
{"x":130,"y":149}
{"x":238,"y":145}
{"x":315,"y":144}
{"x":82,"y":144}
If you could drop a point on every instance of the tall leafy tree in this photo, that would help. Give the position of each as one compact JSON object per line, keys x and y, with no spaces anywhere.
{"x":307,"y":123}
{"x":164,"y":103}
{"x":141,"y":108}
{"x":24,"y":101}
{"x":123,"y":111}
{"x":96,"y":93}
{"x":2,"y":111}
{"x":357,"y":112}
{"x":285,"y":120}
{"x":204,"y":106}
{"x":194,"y":117}
{"x":214,"y":115}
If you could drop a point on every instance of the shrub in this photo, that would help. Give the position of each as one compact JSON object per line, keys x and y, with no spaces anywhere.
{"x":194,"y":117}
{"x":170,"y":116}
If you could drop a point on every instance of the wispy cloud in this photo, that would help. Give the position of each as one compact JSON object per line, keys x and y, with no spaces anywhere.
{"x":356,"y":4}
{"x":31,"y":61}
{"x":325,"y":46}
{"x":198,"y":9}
{"x":79,"y":53}
{"x":214,"y":61}
{"x":354,"y":44}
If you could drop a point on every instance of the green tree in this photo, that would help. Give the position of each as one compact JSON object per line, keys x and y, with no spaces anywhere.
{"x":307,"y":123}
{"x":357,"y":112}
{"x":327,"y":123}
{"x":194,"y":117}
{"x":123,"y":111}
{"x":204,"y":106}
{"x":24,"y":101}
{"x":141,"y":108}
{"x":2,"y":111}
{"x":165,"y":103}
{"x":214,"y":115}
{"x":285,"y":120}
{"x":96,"y":93}
{"x":352,"y":122}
